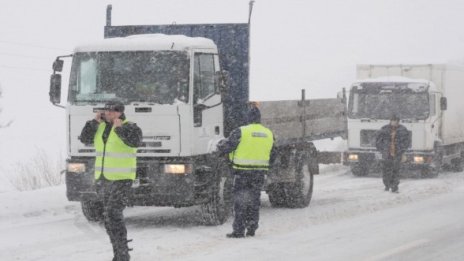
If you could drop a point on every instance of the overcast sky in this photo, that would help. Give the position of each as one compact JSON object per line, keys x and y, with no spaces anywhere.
{"x":294,"y":45}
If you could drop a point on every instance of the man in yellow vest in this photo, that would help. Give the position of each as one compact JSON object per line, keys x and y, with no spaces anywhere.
{"x":116,"y":141}
{"x":250,"y":150}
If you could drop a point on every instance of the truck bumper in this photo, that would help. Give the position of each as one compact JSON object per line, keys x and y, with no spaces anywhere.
{"x":413,"y":160}
{"x":152,"y":187}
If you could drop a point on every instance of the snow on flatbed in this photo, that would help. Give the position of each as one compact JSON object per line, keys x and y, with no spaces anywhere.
{"x":43,"y":225}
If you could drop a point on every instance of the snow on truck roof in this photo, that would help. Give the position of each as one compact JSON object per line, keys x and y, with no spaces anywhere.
{"x":393,"y":79}
{"x":399,"y":79}
{"x":147,"y":42}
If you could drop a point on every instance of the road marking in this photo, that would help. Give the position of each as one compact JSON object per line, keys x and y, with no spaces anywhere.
{"x":398,"y":250}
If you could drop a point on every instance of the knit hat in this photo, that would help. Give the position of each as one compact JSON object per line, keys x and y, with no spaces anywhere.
{"x":114,"y":105}
{"x":254,"y":115}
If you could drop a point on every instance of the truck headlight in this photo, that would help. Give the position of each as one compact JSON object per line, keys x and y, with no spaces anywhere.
{"x":76,"y":167}
{"x":353,"y":157}
{"x":419,"y":159}
{"x":177,"y":169}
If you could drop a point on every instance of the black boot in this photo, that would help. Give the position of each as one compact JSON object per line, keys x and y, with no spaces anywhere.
{"x":235,"y":235}
{"x":121,"y":252}
{"x":250,"y":233}
{"x":122,"y":255}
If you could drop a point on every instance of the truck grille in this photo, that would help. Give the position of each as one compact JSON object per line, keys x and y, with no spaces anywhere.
{"x":368,"y":138}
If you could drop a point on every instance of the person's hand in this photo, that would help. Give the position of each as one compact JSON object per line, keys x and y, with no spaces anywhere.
{"x":117,"y":123}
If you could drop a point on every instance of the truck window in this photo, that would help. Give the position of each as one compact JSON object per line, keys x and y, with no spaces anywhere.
{"x":379,"y":100}
{"x":205,"y":68}
{"x":160,"y":77}
{"x":88,"y":76}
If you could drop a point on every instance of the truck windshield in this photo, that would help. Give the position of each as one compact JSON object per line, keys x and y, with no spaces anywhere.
{"x":140,"y":76}
{"x":381,"y":100}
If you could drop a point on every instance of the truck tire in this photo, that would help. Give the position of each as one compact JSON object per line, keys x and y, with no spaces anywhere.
{"x":300,"y":192}
{"x":92,"y":210}
{"x":360,"y":170}
{"x":456,"y":165}
{"x":432,"y":170}
{"x":429,"y":172}
{"x":277,"y":195}
{"x":219,"y":207}
{"x":296,"y":194}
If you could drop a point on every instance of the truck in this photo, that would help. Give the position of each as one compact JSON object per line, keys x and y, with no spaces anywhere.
{"x":427,"y":99}
{"x":186,"y":86}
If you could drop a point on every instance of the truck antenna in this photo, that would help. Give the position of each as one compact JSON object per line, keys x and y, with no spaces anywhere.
{"x":108,"y":15}
{"x":250,"y":10}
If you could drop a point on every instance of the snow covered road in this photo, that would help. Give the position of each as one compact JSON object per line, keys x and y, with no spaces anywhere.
{"x":350,"y":218}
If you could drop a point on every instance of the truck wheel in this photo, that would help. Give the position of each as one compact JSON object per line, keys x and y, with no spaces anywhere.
{"x":277,"y":195}
{"x":92,"y":210}
{"x":301,"y":191}
{"x":359,"y":170}
{"x":296,"y":194}
{"x":429,"y":172}
{"x":432,"y":170}
{"x":219,"y":207}
{"x":456,"y":165}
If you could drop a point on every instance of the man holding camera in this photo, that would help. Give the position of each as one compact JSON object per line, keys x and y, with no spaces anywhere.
{"x":116,"y":141}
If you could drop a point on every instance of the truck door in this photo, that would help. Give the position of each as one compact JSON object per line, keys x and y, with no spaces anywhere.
{"x":207,"y":104}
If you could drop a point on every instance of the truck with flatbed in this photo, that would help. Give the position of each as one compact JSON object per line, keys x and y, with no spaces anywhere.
{"x":186,"y":86}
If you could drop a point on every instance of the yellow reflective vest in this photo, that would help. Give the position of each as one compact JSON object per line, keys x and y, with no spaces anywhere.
{"x":254,"y":150}
{"x":115,"y":159}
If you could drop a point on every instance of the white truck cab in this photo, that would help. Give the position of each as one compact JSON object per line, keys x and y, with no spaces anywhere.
{"x":161,"y":79}
{"x":416,"y":94}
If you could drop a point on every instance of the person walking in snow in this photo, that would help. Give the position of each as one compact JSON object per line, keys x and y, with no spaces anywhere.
{"x":392,"y":141}
{"x":116,"y":141}
{"x":250,"y":150}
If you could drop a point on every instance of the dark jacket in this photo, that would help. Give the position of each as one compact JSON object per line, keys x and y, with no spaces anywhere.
{"x":129,"y":133}
{"x":383,"y":140}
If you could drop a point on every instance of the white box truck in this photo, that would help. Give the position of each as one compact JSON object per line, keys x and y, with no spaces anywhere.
{"x":428,"y":100}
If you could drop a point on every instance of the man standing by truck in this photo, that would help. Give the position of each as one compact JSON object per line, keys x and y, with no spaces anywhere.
{"x":392,"y":141}
{"x":116,"y":141}
{"x":250,"y":151}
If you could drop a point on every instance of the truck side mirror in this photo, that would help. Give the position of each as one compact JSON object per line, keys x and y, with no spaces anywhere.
{"x":58,"y":65}
{"x":55,"y":88}
{"x":341,"y":95}
{"x":443,"y":103}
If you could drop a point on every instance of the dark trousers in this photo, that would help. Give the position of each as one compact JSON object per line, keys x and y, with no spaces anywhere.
{"x":114,"y":195}
{"x":247,"y":193}
{"x":390,"y":170}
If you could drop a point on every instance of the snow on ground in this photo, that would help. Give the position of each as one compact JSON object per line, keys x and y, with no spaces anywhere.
{"x":43,"y":225}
